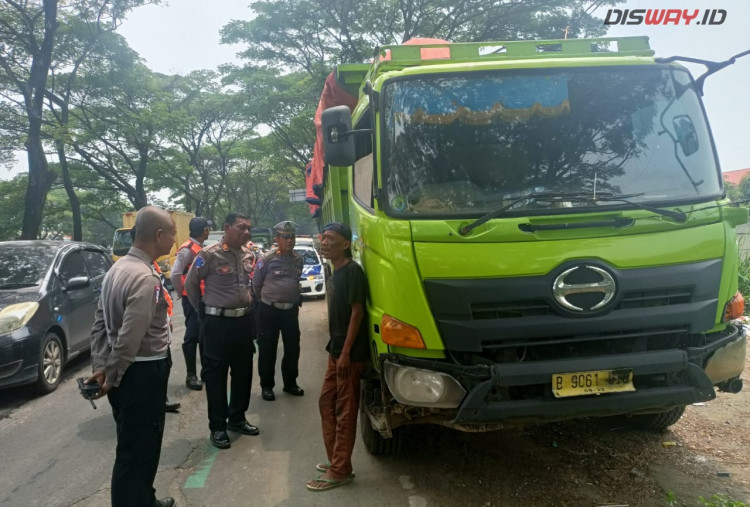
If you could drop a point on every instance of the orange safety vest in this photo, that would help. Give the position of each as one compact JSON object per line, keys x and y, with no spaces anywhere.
{"x":167,"y":296}
{"x":195,"y":248}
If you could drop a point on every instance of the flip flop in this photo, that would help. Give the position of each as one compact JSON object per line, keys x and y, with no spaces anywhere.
{"x":323,"y":467}
{"x":323,"y":484}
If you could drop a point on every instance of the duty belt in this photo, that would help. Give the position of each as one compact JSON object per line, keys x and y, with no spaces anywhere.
{"x":227,"y":312}
{"x":280,"y":306}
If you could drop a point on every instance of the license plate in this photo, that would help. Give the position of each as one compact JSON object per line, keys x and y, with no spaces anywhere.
{"x":592,"y":382}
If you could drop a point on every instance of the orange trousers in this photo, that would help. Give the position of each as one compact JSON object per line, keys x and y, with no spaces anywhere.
{"x":339,"y":408}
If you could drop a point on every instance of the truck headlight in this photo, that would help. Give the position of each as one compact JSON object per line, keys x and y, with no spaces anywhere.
{"x":16,"y":316}
{"x":423,"y":388}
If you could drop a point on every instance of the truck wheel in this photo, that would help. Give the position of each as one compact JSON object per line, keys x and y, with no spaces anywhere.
{"x":49,"y":371}
{"x":376,"y":444}
{"x":656,"y":422}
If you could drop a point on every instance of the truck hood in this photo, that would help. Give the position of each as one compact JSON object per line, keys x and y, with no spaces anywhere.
{"x":502,"y":250}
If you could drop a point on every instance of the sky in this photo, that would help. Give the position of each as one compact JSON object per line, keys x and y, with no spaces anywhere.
{"x":183,"y":36}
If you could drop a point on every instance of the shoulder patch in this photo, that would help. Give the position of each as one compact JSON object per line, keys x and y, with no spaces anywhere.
{"x":260,"y":264}
{"x":199,"y":262}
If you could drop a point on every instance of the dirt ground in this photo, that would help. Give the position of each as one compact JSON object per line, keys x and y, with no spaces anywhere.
{"x":593,"y":462}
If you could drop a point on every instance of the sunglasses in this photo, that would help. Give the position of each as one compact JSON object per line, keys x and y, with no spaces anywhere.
{"x":286,"y":236}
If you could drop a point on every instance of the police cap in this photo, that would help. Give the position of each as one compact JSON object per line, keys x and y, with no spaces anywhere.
{"x":197,"y":225}
{"x":285,"y":227}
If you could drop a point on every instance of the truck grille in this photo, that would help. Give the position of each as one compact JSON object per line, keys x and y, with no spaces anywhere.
{"x":667,"y":303}
{"x":533,"y":308}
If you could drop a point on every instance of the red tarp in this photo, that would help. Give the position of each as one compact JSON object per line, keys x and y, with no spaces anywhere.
{"x":333,"y":95}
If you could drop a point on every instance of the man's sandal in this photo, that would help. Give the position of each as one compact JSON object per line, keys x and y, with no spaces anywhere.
{"x":323,"y":484}
{"x":323,"y":467}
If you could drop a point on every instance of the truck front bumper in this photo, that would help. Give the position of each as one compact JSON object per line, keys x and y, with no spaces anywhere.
{"x":522,"y":392}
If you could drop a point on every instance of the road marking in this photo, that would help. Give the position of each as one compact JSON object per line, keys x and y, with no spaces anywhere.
{"x":198,"y":478}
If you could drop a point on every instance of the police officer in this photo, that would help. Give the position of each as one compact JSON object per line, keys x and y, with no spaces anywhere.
{"x":130,"y":356}
{"x":224,"y":310}
{"x":276,"y":285}
{"x":199,"y":230}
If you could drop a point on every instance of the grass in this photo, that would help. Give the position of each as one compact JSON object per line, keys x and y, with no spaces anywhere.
{"x":717,"y":500}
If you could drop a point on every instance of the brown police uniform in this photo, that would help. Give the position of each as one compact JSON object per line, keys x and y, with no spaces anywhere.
{"x":130,"y":343}
{"x":224,"y":310}
{"x":276,"y":285}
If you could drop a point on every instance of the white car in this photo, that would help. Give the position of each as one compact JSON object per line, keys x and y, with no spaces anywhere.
{"x":312,"y":281}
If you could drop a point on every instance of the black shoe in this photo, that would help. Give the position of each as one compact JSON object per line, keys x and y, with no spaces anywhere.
{"x":244,"y":427}
{"x":172,"y":406}
{"x":193,"y":383}
{"x":167,"y":501}
{"x":220,"y":439}
{"x":267,"y":394}
{"x":295,"y":390}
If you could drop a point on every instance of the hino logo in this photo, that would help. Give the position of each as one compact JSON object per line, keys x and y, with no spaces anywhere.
{"x":561,"y":290}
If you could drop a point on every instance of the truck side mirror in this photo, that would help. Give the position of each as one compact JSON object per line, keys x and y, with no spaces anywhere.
{"x":686,"y":135}
{"x":338,"y":139}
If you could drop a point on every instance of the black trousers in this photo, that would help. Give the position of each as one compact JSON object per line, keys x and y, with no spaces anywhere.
{"x":138,"y":409}
{"x":271,"y":321}
{"x":192,"y":326}
{"x":227,"y":346}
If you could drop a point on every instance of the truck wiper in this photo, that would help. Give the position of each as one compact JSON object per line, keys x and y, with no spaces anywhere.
{"x":571,"y":197}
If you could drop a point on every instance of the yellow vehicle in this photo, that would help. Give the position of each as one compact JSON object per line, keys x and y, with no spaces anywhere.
{"x":122,"y":240}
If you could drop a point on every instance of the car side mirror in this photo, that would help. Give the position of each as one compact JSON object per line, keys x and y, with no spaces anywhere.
{"x":338,"y":141}
{"x":76,"y":283}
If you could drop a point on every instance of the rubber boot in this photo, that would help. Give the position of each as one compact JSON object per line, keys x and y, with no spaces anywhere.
{"x":191,"y":381}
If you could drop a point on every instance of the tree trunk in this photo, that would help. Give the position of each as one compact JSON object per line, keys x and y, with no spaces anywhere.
{"x":40,"y":176}
{"x":75,"y":203}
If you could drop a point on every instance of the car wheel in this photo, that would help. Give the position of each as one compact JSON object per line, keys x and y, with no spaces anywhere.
{"x":50,"y":364}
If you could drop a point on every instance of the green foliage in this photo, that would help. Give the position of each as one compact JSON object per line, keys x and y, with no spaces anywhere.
{"x":739,"y":193}
{"x":720,"y":500}
{"x":717,"y":500}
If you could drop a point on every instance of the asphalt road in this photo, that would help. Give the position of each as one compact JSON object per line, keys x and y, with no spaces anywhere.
{"x":57,"y":450}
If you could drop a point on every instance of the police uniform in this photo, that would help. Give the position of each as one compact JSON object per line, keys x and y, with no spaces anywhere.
{"x":130,"y":343}
{"x":224,"y":309}
{"x":276,"y":286}
{"x":185,"y":257}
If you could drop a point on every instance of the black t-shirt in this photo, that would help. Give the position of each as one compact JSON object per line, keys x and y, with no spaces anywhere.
{"x":349,"y":286}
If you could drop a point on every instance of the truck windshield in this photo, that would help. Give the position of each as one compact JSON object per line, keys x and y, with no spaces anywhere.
{"x":466,"y":144}
{"x":121,"y":242}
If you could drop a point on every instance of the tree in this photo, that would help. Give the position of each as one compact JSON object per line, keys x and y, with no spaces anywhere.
{"x":207,"y":125}
{"x":314,"y":35}
{"x":27,"y":30}
{"x":119,"y":128}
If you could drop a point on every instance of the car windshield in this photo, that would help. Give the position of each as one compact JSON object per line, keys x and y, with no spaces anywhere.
{"x":24,"y":265}
{"x":467,"y":144}
{"x":213,"y":237}
{"x":122,"y":242}
{"x":309,"y":257}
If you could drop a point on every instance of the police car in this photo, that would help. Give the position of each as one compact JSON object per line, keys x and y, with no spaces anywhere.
{"x":312,"y":280}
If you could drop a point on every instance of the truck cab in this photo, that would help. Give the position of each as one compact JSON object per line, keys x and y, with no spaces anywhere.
{"x":544,"y":231}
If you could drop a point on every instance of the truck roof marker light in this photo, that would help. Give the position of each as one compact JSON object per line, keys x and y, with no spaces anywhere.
{"x":400,"y":334}
{"x":735,"y":308}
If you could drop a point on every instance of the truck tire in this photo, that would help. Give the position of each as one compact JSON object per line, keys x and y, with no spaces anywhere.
{"x":656,"y":422}
{"x":376,"y":444}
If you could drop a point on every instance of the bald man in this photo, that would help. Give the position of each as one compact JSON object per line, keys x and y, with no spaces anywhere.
{"x":130,"y":358}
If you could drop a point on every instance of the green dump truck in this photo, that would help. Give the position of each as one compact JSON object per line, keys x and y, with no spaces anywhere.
{"x":544,"y":231}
